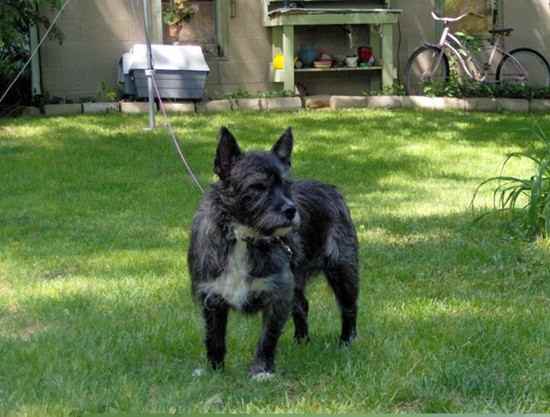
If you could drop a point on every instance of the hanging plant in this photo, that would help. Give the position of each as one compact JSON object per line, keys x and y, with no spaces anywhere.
{"x":177,"y":11}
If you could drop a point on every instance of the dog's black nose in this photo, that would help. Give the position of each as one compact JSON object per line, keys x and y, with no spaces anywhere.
{"x":289,"y":212}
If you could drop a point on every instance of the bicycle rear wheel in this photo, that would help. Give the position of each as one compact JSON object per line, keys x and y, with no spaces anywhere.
{"x":524,"y":66}
{"x":427,"y":65}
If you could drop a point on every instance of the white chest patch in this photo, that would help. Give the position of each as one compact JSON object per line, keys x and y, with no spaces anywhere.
{"x":234,"y":284}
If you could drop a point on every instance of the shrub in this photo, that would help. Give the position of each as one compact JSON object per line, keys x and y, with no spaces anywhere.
{"x":396,"y":89}
{"x":16,"y":18}
{"x":243,"y":94}
{"x":461,"y":88}
{"x":107,"y":93}
{"x":527,"y":200}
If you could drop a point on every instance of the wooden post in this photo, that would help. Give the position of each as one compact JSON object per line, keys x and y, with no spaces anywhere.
{"x":288,"y":53}
{"x":375,"y":41}
{"x":499,"y":4}
{"x":157,"y":29}
{"x":276,"y":49}
{"x":439,"y":9}
{"x":35,"y":63}
{"x":388,"y":70}
{"x":223,"y":11}
{"x":276,"y":41}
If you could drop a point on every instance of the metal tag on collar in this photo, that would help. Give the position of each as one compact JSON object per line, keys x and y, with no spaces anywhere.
{"x":287,"y":248}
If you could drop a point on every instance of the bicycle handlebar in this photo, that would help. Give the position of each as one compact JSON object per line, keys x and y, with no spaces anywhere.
{"x":449,"y":19}
{"x":455,"y":19}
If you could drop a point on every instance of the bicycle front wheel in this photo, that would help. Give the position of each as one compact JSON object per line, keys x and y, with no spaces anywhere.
{"x":428,"y":65}
{"x":524,"y":66}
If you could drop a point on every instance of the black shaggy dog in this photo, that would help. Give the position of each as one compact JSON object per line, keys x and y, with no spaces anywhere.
{"x":258,"y":237}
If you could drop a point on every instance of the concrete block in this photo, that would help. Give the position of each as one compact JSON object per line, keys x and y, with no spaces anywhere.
{"x":421,"y":102}
{"x":438,"y":103}
{"x":214,"y":106}
{"x":540,"y":106}
{"x":100,"y":107}
{"x":452,"y":103}
{"x":480,"y":104}
{"x":346,"y":102}
{"x":62,"y":109}
{"x":30,"y":111}
{"x":317,"y":102}
{"x":247,"y":104}
{"x":133,"y":107}
{"x":384,"y":102}
{"x":407,"y":103}
{"x":281,"y":103}
{"x":428,"y":103}
{"x":513,"y":105}
{"x":180,"y":107}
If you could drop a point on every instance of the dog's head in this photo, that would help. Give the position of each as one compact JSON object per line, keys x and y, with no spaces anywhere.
{"x":255,"y":186}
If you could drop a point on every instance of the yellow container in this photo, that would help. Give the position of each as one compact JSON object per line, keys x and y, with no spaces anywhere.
{"x":279,"y":62}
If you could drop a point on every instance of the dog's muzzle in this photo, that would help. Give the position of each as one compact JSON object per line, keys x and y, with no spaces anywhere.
{"x":294,"y":219}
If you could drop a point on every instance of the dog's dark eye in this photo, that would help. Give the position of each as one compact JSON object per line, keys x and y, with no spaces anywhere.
{"x":259,"y":186}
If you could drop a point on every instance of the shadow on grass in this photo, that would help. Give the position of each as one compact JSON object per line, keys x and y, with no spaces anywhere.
{"x":444,"y":327}
{"x":92,"y":187}
{"x":452,"y":315}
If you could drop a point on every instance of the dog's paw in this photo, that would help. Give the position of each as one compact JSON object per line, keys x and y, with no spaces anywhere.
{"x":263,"y":376}
{"x":346,"y":341}
{"x":198,"y":372}
{"x":302,"y":339}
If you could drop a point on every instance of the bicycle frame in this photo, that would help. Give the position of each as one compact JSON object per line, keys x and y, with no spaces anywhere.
{"x":450,"y":42}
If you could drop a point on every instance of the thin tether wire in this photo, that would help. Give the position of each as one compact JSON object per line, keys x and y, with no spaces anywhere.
{"x":163,"y":110}
{"x":33,"y":54}
{"x":169,"y":126}
{"x":170,"y":129}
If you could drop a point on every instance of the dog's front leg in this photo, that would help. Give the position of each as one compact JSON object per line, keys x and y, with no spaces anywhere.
{"x":215,"y":312}
{"x":275,"y":316}
{"x":274,"y":320}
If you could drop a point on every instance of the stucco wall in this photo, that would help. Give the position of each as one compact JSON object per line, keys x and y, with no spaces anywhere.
{"x":248,"y":54}
{"x":416,"y":27}
{"x":99,"y":31}
{"x":531,"y":21}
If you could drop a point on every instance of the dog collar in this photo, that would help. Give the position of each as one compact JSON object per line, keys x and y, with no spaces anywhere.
{"x":252,"y":236}
{"x":244,"y":232}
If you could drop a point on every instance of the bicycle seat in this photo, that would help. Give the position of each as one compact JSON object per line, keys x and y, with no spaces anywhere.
{"x":503,"y":31}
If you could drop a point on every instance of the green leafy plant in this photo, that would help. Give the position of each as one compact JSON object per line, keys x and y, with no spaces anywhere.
{"x":471,"y":42}
{"x":527,"y":200}
{"x":177,"y":11}
{"x":107,"y":93}
{"x":397,"y":89}
{"x":242,"y":94}
{"x":275,"y":93}
{"x":16,"y":18}
{"x":461,"y":88}
{"x":237,"y":95}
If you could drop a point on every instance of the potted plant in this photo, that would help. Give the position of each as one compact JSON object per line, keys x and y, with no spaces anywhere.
{"x":175,"y":12}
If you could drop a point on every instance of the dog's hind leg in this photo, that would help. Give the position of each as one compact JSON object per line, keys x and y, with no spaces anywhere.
{"x":344,"y":281}
{"x":300,"y":311}
{"x":215,"y":312}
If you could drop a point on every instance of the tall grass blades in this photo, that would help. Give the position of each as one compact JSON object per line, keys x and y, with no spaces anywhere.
{"x":526,"y":199}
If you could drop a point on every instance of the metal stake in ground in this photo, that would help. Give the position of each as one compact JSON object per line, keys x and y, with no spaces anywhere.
{"x":150,"y":70}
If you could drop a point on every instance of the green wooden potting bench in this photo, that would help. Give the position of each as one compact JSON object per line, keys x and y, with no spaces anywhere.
{"x":283,"y":21}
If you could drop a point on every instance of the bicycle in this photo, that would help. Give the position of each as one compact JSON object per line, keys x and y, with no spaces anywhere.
{"x":429,"y":63}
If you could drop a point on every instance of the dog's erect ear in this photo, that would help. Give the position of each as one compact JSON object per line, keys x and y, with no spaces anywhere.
{"x":227,"y":153}
{"x":283,"y":147}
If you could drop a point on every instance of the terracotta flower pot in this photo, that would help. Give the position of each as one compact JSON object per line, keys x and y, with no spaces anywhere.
{"x":174,"y":30}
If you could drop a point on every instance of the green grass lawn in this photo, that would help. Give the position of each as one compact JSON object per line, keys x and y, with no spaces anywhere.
{"x":95,"y":307}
